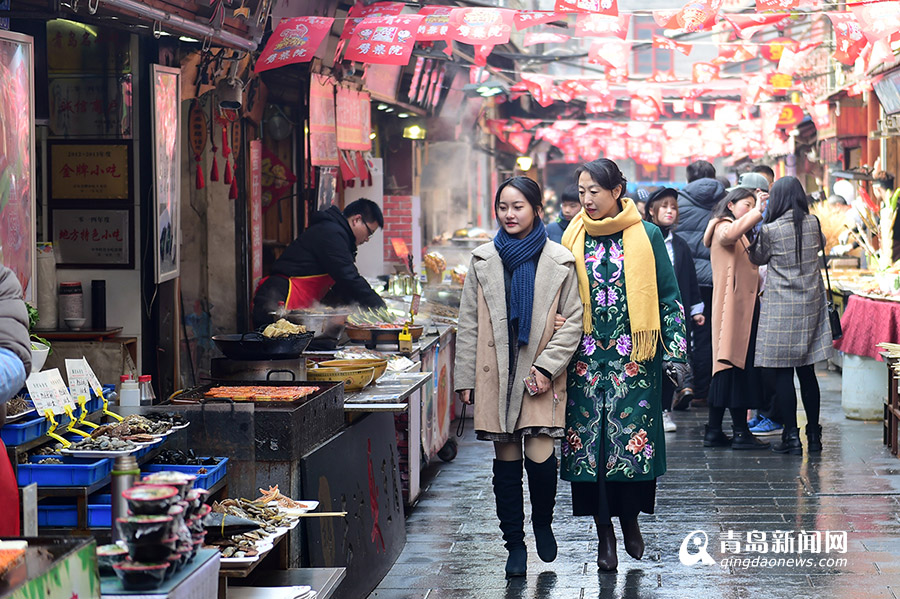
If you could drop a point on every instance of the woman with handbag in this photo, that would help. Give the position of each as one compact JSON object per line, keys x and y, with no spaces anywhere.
{"x":633,"y":330}
{"x":794,"y":332}
{"x":512,"y":362}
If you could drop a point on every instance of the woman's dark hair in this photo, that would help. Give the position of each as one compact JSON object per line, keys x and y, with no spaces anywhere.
{"x":787,"y":194}
{"x":605,"y":173}
{"x":721,"y":210}
{"x":883,"y":180}
{"x":529,"y":188}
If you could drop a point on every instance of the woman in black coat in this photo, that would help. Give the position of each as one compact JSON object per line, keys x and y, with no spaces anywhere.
{"x":662,"y":211}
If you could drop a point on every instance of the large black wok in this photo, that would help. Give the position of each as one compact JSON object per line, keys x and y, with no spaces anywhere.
{"x":255,"y":346}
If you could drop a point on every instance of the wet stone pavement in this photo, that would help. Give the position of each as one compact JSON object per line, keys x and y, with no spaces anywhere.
{"x":454,"y":549}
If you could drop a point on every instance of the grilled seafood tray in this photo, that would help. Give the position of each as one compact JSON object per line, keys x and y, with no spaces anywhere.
{"x":270,"y":393}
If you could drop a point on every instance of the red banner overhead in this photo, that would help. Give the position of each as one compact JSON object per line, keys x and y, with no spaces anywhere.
{"x":696,"y":15}
{"x":612,"y":53}
{"x":481,"y":26}
{"x":790,"y":116}
{"x":704,"y":72}
{"x":355,"y":121}
{"x":360,"y":11}
{"x":593,"y":25}
{"x":849,"y":37}
{"x":294,"y":40}
{"x":540,"y":87}
{"x":792,"y":59}
{"x":772,"y":50}
{"x":746,"y":25}
{"x":384,"y":40}
{"x":435,"y":25}
{"x":766,"y":5}
{"x":877,"y":20}
{"x":606,"y":7}
{"x":665,"y":43}
{"x":529,"y":18}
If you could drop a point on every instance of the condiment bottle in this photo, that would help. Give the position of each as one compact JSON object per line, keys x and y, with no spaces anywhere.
{"x":130,"y":393}
{"x":148,"y":397}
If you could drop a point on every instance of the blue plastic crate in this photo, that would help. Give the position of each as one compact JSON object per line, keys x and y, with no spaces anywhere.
{"x":99,"y":514}
{"x":57,"y":515}
{"x":75,"y":472}
{"x":204,"y":481}
{"x":18,"y":433}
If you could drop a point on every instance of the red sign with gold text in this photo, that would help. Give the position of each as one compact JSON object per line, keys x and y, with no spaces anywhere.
{"x":256,"y":235}
{"x":606,"y":7}
{"x":481,"y":26}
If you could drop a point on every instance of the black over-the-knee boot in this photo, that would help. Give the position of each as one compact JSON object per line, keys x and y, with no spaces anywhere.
{"x":511,"y":512}
{"x":542,"y":488}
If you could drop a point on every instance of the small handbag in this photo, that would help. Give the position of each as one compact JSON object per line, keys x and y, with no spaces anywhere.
{"x":834,"y":319}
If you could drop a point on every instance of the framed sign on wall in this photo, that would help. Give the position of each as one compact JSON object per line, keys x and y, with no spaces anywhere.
{"x":88,"y":237}
{"x":167,"y":169}
{"x":17,"y":230}
{"x":90,"y":170}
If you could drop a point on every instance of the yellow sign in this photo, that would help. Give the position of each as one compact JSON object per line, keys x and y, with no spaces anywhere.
{"x":89,"y":172}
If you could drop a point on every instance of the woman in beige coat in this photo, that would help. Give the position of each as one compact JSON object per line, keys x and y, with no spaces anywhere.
{"x":515,"y":288}
{"x":735,"y":313}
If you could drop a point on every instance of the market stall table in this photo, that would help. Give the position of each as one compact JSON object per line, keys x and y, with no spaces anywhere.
{"x":198,"y":580}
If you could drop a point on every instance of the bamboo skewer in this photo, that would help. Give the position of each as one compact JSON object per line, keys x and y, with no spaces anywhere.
{"x":319,"y":514}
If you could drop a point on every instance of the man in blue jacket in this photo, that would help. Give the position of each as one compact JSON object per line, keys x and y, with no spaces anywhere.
{"x":569,"y":205}
{"x":695,"y":203}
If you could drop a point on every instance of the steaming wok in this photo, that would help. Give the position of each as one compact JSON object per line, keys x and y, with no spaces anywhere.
{"x":322,"y":323}
{"x":255,"y":346}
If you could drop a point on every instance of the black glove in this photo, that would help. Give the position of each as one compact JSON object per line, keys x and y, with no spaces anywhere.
{"x":677,"y":372}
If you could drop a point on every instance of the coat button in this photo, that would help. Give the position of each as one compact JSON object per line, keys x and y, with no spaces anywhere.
{"x":490,"y":344}
{"x":487,"y":369}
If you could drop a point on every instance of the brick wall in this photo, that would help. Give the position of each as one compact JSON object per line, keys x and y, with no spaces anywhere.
{"x":397,"y":223}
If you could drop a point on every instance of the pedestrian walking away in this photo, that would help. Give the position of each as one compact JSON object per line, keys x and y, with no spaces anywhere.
{"x":633,"y":322}
{"x":507,"y":335}
{"x":794,"y":332}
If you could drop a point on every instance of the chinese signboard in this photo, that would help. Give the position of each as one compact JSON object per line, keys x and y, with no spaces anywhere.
{"x":90,"y":106}
{"x":294,"y":41}
{"x":88,"y":237}
{"x":89,"y":171}
{"x":256,"y":235}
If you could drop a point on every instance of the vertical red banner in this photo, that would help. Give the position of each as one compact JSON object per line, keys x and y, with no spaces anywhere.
{"x":256,"y":234}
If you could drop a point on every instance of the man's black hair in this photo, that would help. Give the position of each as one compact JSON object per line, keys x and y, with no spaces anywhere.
{"x":368,"y":209}
{"x":570,"y":194}
{"x":764,"y":169}
{"x":700,"y":169}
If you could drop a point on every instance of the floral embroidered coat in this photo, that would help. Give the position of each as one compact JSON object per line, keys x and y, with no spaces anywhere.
{"x":613,"y":408}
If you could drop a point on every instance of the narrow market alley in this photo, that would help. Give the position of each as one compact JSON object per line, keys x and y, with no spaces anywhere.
{"x":454,"y":548}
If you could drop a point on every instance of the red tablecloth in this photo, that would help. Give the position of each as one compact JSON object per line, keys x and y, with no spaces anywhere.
{"x":866,"y":323}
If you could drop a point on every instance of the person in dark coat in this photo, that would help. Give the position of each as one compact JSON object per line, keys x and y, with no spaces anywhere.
{"x":662,"y":211}
{"x":695,"y":203}
{"x":569,"y":205}
{"x":15,"y":364}
{"x":320,"y":265}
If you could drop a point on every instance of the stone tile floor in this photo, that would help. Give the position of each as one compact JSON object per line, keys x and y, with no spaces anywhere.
{"x":454,"y":549}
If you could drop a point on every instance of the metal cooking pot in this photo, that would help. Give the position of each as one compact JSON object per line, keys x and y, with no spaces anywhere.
{"x":255,"y":346}
{"x":322,"y":324}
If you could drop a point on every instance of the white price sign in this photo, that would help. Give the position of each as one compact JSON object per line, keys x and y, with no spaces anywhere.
{"x":92,"y":379}
{"x":48,"y":391}
{"x":78,"y":380}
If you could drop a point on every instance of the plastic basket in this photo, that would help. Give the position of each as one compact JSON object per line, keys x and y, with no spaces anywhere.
{"x":18,"y":433}
{"x":75,"y":472}
{"x":57,"y":515}
{"x":204,"y":481}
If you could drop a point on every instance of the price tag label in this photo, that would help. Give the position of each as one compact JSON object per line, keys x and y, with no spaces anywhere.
{"x":48,"y":391}
{"x":92,"y":379}
{"x":414,"y":305}
{"x":78,"y":383}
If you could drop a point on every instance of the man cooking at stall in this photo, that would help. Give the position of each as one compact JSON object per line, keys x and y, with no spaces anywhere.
{"x":320,"y":265}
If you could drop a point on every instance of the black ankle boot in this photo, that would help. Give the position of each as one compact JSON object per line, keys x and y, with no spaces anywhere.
{"x":813,"y":438}
{"x":744,"y":439}
{"x":631,"y":533}
{"x":511,"y":512}
{"x":542,"y":488}
{"x":714,"y":437}
{"x":607,"y":560}
{"x":790,"y":442}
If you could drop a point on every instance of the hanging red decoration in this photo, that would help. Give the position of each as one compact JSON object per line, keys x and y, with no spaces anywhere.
{"x":529,"y":18}
{"x":767,"y":5}
{"x":481,"y":26}
{"x":849,"y":37}
{"x":360,"y":11}
{"x":877,"y":20}
{"x":696,"y":15}
{"x":666,"y":43}
{"x":594,"y":25}
{"x":214,"y":171}
{"x":197,"y":136}
{"x":790,"y":116}
{"x":233,"y":190}
{"x":527,"y":123}
{"x":293,"y":41}
{"x":606,"y":7}
{"x":520,"y":141}
{"x":540,"y":87}
{"x":746,"y":25}
{"x":613,"y":53}
{"x":497,"y":128}
{"x":704,"y":72}
{"x":772,"y":50}
{"x":384,"y":40}
{"x":793,"y":58}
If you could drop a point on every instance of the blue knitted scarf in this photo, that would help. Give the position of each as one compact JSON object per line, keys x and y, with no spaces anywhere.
{"x":518,"y":258}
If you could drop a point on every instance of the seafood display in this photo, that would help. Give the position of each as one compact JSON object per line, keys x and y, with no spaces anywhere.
{"x":259,"y":393}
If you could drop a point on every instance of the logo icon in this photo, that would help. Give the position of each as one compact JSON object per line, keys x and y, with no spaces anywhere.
{"x":697,"y":540}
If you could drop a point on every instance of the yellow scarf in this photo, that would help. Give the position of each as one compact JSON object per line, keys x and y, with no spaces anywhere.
{"x":640,"y":274}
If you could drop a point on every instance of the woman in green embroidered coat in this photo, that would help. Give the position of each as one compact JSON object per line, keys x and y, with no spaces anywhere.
{"x":633,"y":327}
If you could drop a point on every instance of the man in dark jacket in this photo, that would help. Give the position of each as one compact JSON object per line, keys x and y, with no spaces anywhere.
{"x":15,"y":364}
{"x":569,"y":205}
{"x":320,"y":265}
{"x":695,"y":203}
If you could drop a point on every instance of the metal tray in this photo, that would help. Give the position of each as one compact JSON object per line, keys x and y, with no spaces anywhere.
{"x":197,"y":394}
{"x":373,"y":336}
